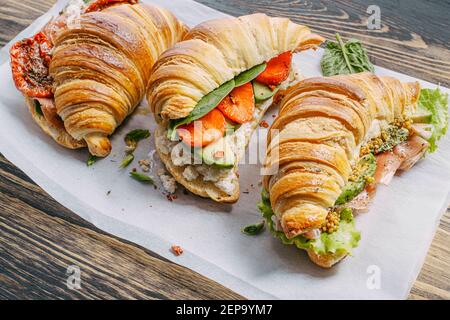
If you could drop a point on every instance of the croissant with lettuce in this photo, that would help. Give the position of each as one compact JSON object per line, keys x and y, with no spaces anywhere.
{"x":334,"y":139}
{"x":88,"y":69}
{"x":209,"y":92}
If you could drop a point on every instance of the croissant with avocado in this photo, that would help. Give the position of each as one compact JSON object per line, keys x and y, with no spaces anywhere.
{"x":334,"y":140}
{"x":88,"y":68}
{"x":209,"y":92}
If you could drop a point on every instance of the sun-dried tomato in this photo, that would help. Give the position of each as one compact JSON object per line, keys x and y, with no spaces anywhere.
{"x":30,"y":59}
{"x":99,"y":5}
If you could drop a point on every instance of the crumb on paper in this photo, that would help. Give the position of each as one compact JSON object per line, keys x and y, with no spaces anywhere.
{"x":177,"y":250}
{"x":171,"y":197}
{"x":108,"y":193}
{"x":168,"y":182}
{"x":264,"y":124}
{"x":144,"y":164}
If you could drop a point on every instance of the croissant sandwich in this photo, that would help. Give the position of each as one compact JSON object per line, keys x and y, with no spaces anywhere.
{"x":209,"y":92}
{"x":334,"y":140}
{"x":88,"y":68}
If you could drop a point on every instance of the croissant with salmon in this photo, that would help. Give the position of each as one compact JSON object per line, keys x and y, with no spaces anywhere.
{"x":334,"y":139}
{"x":88,"y":69}
{"x":211,"y":90}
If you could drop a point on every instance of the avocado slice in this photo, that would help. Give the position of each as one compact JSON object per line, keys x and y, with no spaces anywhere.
{"x":367,"y":166}
{"x":230,"y":127}
{"x":249,"y":75}
{"x":219,"y":154}
{"x":263,"y":92}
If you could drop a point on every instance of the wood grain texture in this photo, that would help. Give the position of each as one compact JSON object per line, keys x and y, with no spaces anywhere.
{"x":414,"y":37}
{"x":39,"y":238}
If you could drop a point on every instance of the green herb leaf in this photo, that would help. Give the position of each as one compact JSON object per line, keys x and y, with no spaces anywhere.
{"x":249,"y":75}
{"x":37,"y":107}
{"x":91,"y":160}
{"x":127,"y":160}
{"x":204,"y":106}
{"x":137,"y":135}
{"x":133,"y":137}
{"x":141,"y":177}
{"x":254,"y":229}
{"x":436,"y":102}
{"x":345,"y":58}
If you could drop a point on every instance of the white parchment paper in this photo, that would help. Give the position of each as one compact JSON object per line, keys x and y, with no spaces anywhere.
{"x":396,"y":233}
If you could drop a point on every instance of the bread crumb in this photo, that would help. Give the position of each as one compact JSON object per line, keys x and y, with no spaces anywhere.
{"x":177,"y":250}
{"x":168,"y":182}
{"x":264,"y":124}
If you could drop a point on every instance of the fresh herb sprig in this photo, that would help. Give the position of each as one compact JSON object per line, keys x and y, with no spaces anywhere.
{"x":132,"y":139}
{"x":91,"y":160}
{"x":254,"y":229}
{"x":127,"y":161}
{"x":345,"y":58}
{"x":141,"y":177}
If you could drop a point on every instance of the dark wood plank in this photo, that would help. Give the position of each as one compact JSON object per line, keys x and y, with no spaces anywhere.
{"x":39,"y":238}
{"x":37,"y":250}
{"x":414,"y":38}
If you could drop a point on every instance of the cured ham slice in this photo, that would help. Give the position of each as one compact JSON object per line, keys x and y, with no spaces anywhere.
{"x":411,"y":151}
{"x":404,"y":156}
{"x":387,"y":165}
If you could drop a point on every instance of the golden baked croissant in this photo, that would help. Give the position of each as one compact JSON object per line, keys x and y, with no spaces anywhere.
{"x":316,"y":142}
{"x":218,"y":58}
{"x":94,"y":69}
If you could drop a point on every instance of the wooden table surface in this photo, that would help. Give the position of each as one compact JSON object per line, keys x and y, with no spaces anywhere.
{"x":39,"y":238}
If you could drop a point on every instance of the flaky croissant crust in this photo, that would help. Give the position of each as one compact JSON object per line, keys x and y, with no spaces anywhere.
{"x":316,"y":137}
{"x":216,"y":51}
{"x":101,"y":68}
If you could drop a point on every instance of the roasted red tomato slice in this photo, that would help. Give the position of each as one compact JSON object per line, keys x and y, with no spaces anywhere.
{"x":99,"y":5}
{"x":30,"y":59}
{"x":277,"y":70}
{"x":201,"y":132}
{"x":239,"y":105}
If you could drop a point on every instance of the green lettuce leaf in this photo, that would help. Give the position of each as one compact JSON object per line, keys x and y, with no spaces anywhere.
{"x":343,"y":240}
{"x":436,"y":102}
